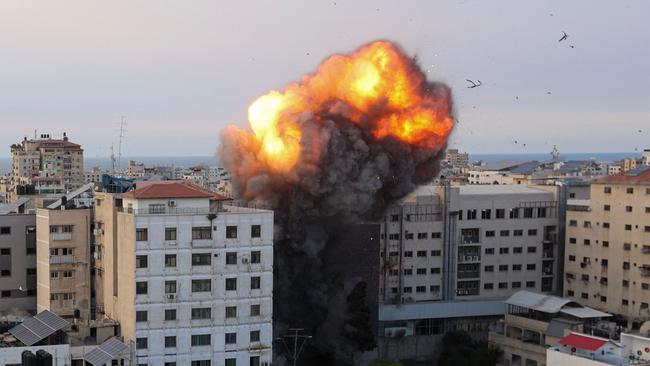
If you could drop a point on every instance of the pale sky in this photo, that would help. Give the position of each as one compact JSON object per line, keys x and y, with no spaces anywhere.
{"x":181,"y":70}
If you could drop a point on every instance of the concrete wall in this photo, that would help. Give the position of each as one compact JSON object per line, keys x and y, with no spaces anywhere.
{"x":18,"y":262}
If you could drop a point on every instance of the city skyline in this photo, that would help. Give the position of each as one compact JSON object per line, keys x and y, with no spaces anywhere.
{"x":191,"y":71}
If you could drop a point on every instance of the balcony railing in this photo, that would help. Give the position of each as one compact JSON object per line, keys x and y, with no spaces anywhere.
{"x":469,"y":258}
{"x":62,"y":259}
{"x":469,"y":239}
{"x":61,"y":236}
{"x":645,"y":271}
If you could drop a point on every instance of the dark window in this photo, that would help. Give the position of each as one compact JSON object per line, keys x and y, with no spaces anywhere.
{"x":504,"y":233}
{"x":141,"y":235}
{"x":516,"y":267}
{"x":140,"y":261}
{"x":231,"y":311}
{"x":628,"y":208}
{"x":170,"y":233}
{"x":489,"y":233}
{"x":488,"y":268}
{"x":141,"y":316}
{"x":517,"y":250}
{"x":170,"y":260}
{"x":141,"y":288}
{"x":608,"y":190}
{"x":517,"y":232}
{"x":201,"y":259}
{"x":256,"y":256}
{"x":256,"y":231}
{"x":255,"y":310}
{"x":254,"y":336}
{"x":607,"y":207}
{"x":489,"y":250}
{"x":628,"y":227}
{"x":503,"y":285}
{"x":530,"y":267}
{"x":230,"y":362}
{"x":532,"y":232}
{"x":488,"y":286}
{"x":408,"y":290}
{"x":572,"y":258}
{"x":423,"y":236}
{"x":141,"y":343}
{"x":573,"y":222}
{"x":587,"y":242}
{"x":504,"y":250}
{"x":486,"y":214}
{"x":231,"y":338}
{"x":606,"y":225}
{"x":500,"y":213}
{"x":629,"y":190}
{"x":5,"y":230}
{"x":530,"y":284}
{"x":572,"y":240}
{"x":254,"y":361}
{"x":435,"y":270}
{"x":170,"y":314}
{"x":201,"y":363}
{"x":170,"y":287}
{"x":201,"y":313}
{"x":503,"y":268}
{"x":528,"y":212}
{"x":408,"y":253}
{"x":541,"y":212}
{"x":605,"y":243}
{"x":531,"y":249}
{"x":201,"y":285}
{"x":231,"y":232}
{"x":422,"y":253}
{"x":200,"y":340}
{"x":170,"y":341}
{"x":514,"y":213}
{"x":5,"y":251}
{"x":231,"y":284}
{"x":202,"y":233}
{"x":231,"y":258}
{"x":438,"y":235}
{"x":256,"y":283}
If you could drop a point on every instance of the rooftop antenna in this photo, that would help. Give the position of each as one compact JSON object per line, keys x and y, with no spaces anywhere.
{"x":298,"y":341}
{"x":112,"y":160}
{"x":122,"y":135}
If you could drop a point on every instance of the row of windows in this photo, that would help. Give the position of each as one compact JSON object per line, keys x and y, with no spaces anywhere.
{"x":628,"y":190}
{"x":61,"y":274}
{"x":515,"y":267}
{"x":141,"y":287}
{"x":419,"y":253}
{"x":198,"y":259}
{"x":198,"y":313}
{"x":500,"y":213}
{"x":627,"y":208}
{"x":606,"y":225}
{"x":418,"y":289}
{"x":198,"y":233}
{"x":504,"y":285}
{"x":418,"y":271}
{"x":253,"y":361}
{"x":515,"y":250}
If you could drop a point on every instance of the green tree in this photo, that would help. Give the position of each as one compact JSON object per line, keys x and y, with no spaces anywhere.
{"x":459,"y":349}
{"x":357,"y":328}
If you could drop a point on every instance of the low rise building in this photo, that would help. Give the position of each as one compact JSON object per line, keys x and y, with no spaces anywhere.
{"x":577,"y":349}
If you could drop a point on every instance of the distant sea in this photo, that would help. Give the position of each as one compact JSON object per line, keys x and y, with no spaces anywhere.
{"x":187,"y":161}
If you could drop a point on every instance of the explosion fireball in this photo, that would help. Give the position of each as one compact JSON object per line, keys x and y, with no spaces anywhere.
{"x":331,"y":150}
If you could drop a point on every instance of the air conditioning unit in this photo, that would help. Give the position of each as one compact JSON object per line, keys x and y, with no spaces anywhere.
{"x":171,"y":243}
{"x":171,"y":203}
{"x":171,"y":296}
{"x":244,"y":260}
{"x":98,"y":232}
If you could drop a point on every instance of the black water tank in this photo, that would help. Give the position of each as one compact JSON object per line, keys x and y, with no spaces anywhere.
{"x":44,"y":358}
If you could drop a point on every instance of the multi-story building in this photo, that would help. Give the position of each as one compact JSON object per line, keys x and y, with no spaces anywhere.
{"x":17,"y":260}
{"x":534,"y":322}
{"x":188,"y":277}
{"x":456,"y":159}
{"x":135,"y":169}
{"x":93,"y":176}
{"x":451,"y":255}
{"x":645,"y":157}
{"x":64,"y":237}
{"x":46,"y":166}
{"x":607,"y":260}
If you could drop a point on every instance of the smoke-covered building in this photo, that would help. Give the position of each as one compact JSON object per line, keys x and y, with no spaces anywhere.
{"x":451,"y":255}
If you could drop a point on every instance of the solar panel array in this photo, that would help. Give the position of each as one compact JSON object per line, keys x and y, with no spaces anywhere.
{"x":105,"y":352}
{"x":33,"y":330}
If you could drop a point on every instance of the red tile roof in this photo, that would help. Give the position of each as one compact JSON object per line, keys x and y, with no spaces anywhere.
{"x":172,"y":189}
{"x":641,"y":178}
{"x":582,"y":342}
{"x":56,"y":143}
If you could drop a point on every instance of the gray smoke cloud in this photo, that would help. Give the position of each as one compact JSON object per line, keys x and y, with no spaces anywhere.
{"x":351,"y":177}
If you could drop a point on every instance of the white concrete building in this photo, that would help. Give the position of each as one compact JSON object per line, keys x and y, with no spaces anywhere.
{"x":586,"y":350}
{"x":193,"y":276}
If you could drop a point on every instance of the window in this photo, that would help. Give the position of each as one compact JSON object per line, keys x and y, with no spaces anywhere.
{"x":421,"y":271}
{"x":629,"y":190}
{"x":647,"y":210}
{"x":528,"y":212}
{"x":517,"y":232}
{"x":170,"y":341}
{"x":573,"y":222}
{"x":141,"y":288}
{"x":200,"y":340}
{"x":7,"y":293}
{"x":604,"y":262}
{"x":627,"y":246}
{"x":626,"y":265}
{"x":587,"y":224}
{"x":504,"y":233}
{"x":531,"y":249}
{"x":438,"y":235}
{"x":141,"y":235}
{"x":605,"y":244}
{"x":202,"y":233}
{"x":231,"y":232}
{"x":231,"y":284}
{"x":572,"y":240}
{"x":488,"y":268}
{"x":407,"y":290}
{"x":541,"y":212}
{"x":156,"y":208}
{"x":603,"y":299}
{"x":170,"y":314}
{"x":624,"y":302}
{"x":408,"y":236}
{"x":5,"y":251}
{"x":584,"y":295}
{"x":408,"y":253}
{"x":530,"y":267}
{"x":254,"y":336}
{"x":646,"y":229}
{"x":532,"y":232}
{"x":141,"y":343}
{"x":255,"y":310}
{"x":471,"y":214}
{"x":488,"y":286}
{"x":516,"y":267}
{"x":514,"y":213}
{"x":201,"y":363}
{"x":201,"y":313}
{"x":486,"y":214}
{"x":607,"y":207}
{"x":500,"y":213}
{"x":503,"y":285}
{"x":423,"y":235}
{"x":256,"y":231}
{"x":587,"y":242}
{"x":572,"y":258}
{"x":256,"y":283}
{"x":628,"y":208}
{"x":435,"y":270}
{"x":489,"y":233}
{"x":170,"y":260}
{"x":140,"y":261}
{"x":570,"y":293}
{"x":608,"y":190}
{"x":625,"y":283}
{"x":5,"y":273}
{"x":503,"y":250}
{"x":231,"y":338}
{"x":230,"y":362}
{"x":231,"y":311}
{"x":517,"y":250}
{"x":530,"y":284}
{"x":170,"y":287}
{"x":31,"y":271}
{"x":408,"y":271}
{"x":54,"y":274}
{"x":394,"y":218}
{"x":254,"y":361}
{"x":170,"y":233}
{"x":645,"y":286}
{"x":422,"y":253}
{"x":489,"y":250}
{"x":141,"y":316}
{"x":256,"y":256}
{"x":503,"y":268}
{"x":628,"y":227}
{"x":5,"y":230}
{"x":606,"y":225}
{"x":516,"y":284}
{"x":201,"y":259}
{"x":231,"y":258}
{"x":434,"y":288}
{"x":393,"y":236}
{"x":201,"y":285}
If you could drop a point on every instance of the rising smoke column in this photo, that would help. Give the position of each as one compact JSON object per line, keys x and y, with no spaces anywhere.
{"x":338,"y":146}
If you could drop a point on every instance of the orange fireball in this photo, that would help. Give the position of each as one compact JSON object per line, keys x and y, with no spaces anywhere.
{"x":382,"y":90}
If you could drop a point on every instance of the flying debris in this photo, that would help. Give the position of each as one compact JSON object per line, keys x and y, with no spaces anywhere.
{"x":640,"y":131}
{"x":548,"y":92}
{"x":474,"y":85}
{"x":572,"y":46}
{"x":517,"y":97}
{"x":564,"y":37}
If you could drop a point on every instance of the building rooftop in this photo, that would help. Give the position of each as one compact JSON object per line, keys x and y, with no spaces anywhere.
{"x":171,"y":189}
{"x":589,"y":343}
{"x":552,"y":305}
{"x":503,"y":165}
{"x":640,"y":175}
{"x":499,"y":189}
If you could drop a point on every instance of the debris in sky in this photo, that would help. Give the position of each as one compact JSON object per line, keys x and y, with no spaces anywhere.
{"x":572,"y":46}
{"x":640,"y":131}
{"x":474,"y":85}
{"x":517,"y":97}
{"x":307,"y":53}
{"x":548,"y":92}
{"x":515,"y":141}
{"x":564,"y":37}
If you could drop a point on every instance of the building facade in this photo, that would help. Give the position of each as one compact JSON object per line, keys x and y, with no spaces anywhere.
{"x":17,"y":263}
{"x":188,"y":278}
{"x":607,"y":261}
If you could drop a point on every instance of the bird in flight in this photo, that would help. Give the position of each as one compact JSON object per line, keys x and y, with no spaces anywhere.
{"x":564,"y":37}
{"x":474,"y":85}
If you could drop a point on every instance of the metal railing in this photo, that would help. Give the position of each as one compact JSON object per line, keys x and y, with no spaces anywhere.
{"x":62,"y":259}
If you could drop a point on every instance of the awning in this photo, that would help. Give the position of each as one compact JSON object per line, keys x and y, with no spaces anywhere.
{"x":583,"y":342}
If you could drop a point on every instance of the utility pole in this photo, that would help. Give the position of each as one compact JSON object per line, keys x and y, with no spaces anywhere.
{"x":298,"y":341}
{"x":122,"y":135}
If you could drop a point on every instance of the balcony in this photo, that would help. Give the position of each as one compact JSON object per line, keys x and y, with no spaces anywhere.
{"x":61,"y":236}
{"x":645,"y":249}
{"x":547,"y":271}
{"x":550,"y":238}
{"x":645,"y":271}
{"x":548,"y":254}
{"x":202,"y":243}
{"x":62,"y":259}
{"x":469,"y":258}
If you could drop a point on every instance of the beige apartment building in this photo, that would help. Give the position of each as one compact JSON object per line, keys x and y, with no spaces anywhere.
{"x":46,"y":166}
{"x":607,"y":255}
{"x":63,"y":262}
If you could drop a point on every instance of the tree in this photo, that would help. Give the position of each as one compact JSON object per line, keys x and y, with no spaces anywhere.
{"x":459,"y":349}
{"x":357,"y":328}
